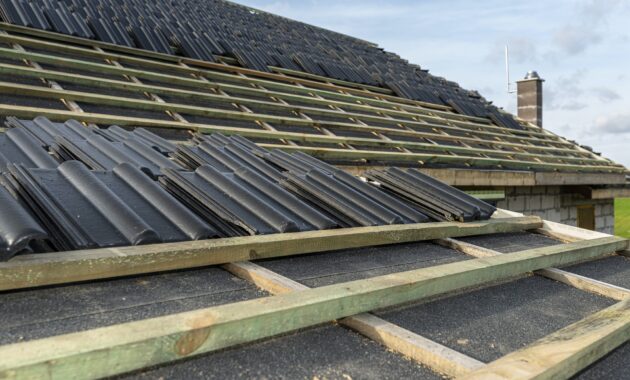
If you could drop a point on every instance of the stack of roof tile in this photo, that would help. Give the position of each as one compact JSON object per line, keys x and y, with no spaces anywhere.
{"x":18,"y":228}
{"x":16,"y":146}
{"x":345,"y":199}
{"x":89,"y":209}
{"x":243,"y":202}
{"x":114,"y":187}
{"x":434,"y":198}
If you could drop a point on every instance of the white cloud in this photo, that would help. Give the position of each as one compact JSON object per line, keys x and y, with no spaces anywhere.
{"x":613,"y":124}
{"x":585,"y":29}
{"x":605,"y":94}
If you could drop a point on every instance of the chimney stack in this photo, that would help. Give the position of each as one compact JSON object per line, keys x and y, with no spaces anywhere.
{"x":529,"y":93}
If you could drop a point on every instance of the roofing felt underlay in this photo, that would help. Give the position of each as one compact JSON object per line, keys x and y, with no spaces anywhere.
{"x":257,"y":40}
{"x":43,"y":74}
{"x":213,"y":186}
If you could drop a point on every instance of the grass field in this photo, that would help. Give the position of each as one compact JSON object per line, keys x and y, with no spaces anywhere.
{"x":622,"y":217}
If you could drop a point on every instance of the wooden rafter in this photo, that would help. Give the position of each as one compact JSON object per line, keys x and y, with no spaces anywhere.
{"x":125,"y":347}
{"x":438,"y":357}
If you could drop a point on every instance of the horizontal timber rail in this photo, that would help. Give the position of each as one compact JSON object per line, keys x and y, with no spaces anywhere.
{"x":129,"y":346}
{"x":247,"y":81}
{"x":143,"y":88}
{"x":140,"y":88}
{"x":108,"y":119}
{"x":340,"y":82}
{"x":20,"y":89}
{"x":577,"y":281}
{"x":499,"y":132}
{"x":212,"y":65}
{"x":565,"y":352}
{"x":332,"y":154}
{"x":25,"y":271}
{"x":133,"y":103}
{"x":270,"y":105}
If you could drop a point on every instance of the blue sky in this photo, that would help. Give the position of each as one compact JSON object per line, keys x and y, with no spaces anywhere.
{"x":580,"y":48}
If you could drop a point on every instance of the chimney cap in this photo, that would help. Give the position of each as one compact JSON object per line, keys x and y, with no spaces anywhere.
{"x":532,"y":74}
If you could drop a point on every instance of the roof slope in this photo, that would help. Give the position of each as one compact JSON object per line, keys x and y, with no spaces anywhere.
{"x":258,"y":40}
{"x":338,"y":122}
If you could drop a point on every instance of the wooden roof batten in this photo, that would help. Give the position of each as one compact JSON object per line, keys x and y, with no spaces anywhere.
{"x":124,"y":347}
{"x":313,"y":306}
{"x":555,"y":153}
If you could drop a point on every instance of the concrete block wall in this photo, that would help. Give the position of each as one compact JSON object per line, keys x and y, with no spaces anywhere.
{"x":550,"y":203}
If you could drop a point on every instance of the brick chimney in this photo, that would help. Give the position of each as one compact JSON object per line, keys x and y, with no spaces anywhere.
{"x":530,"y":98}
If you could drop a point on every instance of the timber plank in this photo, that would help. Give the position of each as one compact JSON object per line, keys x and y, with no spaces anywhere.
{"x":91,"y":66}
{"x":38,"y":91}
{"x":129,"y":346}
{"x":565,"y":352}
{"x":438,"y":357}
{"x":62,"y":115}
{"x":577,"y":281}
{"x":25,"y":271}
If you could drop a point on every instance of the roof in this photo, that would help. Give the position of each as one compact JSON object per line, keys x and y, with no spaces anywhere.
{"x":258,"y":40}
{"x":160,"y":217}
{"x":339,"y":120}
{"x":466,"y":311}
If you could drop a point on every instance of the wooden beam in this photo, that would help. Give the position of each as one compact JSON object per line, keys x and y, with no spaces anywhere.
{"x":325,"y":89}
{"x":190,"y":94}
{"x":567,"y":351}
{"x":552,"y":178}
{"x":25,"y":271}
{"x":438,"y":357}
{"x":106,"y":119}
{"x":195,"y":62}
{"x":91,"y":66}
{"x":510,"y":178}
{"x":133,"y":103}
{"x":560,"y":231}
{"x":129,"y":346}
{"x":340,"y":154}
{"x":575,"y":280}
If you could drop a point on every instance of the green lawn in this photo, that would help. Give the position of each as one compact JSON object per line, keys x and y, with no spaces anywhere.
{"x":622,"y":217}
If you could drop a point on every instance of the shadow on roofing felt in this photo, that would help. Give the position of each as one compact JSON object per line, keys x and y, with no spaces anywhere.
{"x":494,"y":321}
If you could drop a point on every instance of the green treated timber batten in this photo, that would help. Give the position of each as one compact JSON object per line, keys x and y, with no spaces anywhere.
{"x":343,"y":83}
{"x":129,"y":346}
{"x":61,"y":115}
{"x":98,"y":99}
{"x":25,"y":271}
{"x":215,"y":75}
{"x":190,"y":70}
{"x":129,"y":86}
{"x":21,"y":89}
{"x":565,"y":352}
{"x":171,"y":58}
{"x":196,"y":62}
{"x":97,"y":67}
{"x":332,"y":154}
{"x":142,"y":88}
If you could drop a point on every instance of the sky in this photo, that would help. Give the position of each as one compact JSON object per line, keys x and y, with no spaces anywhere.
{"x":580,"y":48}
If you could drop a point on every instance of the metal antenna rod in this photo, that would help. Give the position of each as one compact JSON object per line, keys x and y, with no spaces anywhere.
{"x":507,"y":69}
